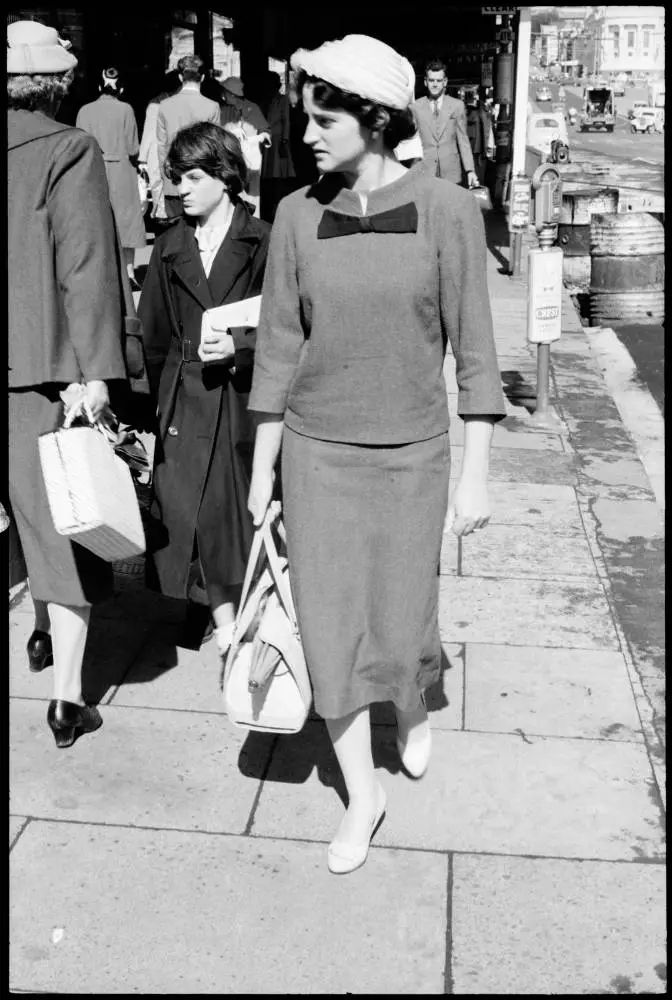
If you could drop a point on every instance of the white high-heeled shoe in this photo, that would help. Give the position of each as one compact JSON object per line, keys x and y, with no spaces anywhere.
{"x":415,"y":756}
{"x":342,"y":857}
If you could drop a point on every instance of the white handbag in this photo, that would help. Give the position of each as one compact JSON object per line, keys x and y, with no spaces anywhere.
{"x":249,"y":143}
{"x":90,"y":491}
{"x":266,"y":684}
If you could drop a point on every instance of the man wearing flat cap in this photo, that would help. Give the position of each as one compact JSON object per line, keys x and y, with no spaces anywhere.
{"x":235,"y":106}
{"x":184,"y":108}
{"x":442,"y":126}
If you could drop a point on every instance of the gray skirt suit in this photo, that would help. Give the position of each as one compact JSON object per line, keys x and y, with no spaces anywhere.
{"x":357,"y":312}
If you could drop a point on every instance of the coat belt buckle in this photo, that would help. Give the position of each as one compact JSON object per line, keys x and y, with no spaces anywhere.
{"x":186,"y":351}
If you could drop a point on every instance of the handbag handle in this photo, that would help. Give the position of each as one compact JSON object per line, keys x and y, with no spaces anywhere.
{"x":264,"y":539}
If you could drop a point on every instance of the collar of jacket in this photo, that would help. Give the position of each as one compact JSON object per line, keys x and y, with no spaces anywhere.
{"x":180,"y":249}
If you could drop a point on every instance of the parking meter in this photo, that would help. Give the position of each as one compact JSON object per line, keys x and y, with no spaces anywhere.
{"x":547,"y":196}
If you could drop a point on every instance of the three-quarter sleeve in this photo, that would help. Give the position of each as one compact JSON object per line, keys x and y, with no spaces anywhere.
{"x":280,"y":335}
{"x":465,"y":311}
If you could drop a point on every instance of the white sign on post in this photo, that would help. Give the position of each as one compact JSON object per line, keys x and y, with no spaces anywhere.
{"x":544,"y":308}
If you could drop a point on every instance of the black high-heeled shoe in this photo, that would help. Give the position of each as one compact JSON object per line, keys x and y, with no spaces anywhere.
{"x":67,"y":721}
{"x":40,"y":652}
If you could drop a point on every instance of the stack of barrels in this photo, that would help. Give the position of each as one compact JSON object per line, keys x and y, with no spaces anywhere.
{"x":627,"y":275}
{"x":615,"y":259}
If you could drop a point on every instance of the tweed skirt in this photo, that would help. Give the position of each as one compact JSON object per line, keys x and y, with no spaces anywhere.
{"x":364,"y":528}
{"x":59,"y":571}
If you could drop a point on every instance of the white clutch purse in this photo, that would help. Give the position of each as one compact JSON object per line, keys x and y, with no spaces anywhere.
{"x":91,"y":493}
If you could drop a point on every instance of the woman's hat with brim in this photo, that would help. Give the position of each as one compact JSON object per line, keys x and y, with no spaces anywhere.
{"x":234,"y":85}
{"x":34,"y":48}
{"x":361,"y":65}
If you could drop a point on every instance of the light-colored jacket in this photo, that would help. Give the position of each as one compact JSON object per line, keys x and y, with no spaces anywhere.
{"x":444,"y":137}
{"x":176,"y":112}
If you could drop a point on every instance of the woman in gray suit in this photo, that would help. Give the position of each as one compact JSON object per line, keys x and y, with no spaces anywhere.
{"x":371,"y":272}
{"x":64,"y":327}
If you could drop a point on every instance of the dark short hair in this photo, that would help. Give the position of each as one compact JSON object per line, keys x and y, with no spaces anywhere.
{"x":190,"y":68}
{"x":401,"y":124}
{"x":207,"y":147}
{"x":436,"y":66}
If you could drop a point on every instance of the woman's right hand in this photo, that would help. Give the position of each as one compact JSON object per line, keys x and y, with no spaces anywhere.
{"x":259,"y":497}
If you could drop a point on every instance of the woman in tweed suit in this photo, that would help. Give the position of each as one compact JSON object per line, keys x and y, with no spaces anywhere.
{"x":370,"y":272}
{"x":64,"y":327}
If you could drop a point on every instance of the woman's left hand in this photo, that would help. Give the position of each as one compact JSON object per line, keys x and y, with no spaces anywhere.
{"x":469,"y":507}
{"x":216,"y":347}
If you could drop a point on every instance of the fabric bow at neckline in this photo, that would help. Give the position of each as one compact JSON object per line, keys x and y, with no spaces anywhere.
{"x":403,"y":219}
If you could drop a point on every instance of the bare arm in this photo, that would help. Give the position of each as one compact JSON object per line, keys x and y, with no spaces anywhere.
{"x":266,"y":450}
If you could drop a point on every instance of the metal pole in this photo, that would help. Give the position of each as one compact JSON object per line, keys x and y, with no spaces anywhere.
{"x":546,"y":240}
{"x":543,"y":370}
{"x":515,"y":254}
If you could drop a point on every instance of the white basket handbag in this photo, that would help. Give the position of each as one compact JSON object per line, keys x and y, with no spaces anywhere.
{"x":90,"y":491}
{"x":266,"y":684}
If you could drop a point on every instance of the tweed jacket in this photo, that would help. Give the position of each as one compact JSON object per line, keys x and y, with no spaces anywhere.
{"x":354,"y":328}
{"x":64,"y":297}
{"x":444,"y":137}
{"x":176,"y":112}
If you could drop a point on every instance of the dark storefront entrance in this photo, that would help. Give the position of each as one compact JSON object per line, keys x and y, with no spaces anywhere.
{"x":140,"y":43}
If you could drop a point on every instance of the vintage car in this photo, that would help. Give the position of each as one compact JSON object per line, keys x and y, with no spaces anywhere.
{"x":635,"y":108}
{"x":648,"y":120}
{"x":547,"y":132}
{"x":543,"y":94}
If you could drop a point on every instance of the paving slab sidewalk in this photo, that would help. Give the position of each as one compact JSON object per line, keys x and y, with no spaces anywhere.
{"x":172,"y":853}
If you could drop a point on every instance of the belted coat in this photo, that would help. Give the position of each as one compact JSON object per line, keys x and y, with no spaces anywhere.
{"x":204,"y":451}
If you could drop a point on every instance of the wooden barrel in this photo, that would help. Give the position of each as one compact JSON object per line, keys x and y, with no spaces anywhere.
{"x":578,"y":205}
{"x":627,"y":277}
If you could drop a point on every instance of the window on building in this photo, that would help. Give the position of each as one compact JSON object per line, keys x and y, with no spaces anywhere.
{"x":225,"y":57}
{"x":630,"y":34}
{"x":279,"y":66}
{"x":647,"y":36}
{"x":615,"y":37}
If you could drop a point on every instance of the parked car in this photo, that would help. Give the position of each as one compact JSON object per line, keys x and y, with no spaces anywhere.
{"x":545,"y":128}
{"x":635,"y":108}
{"x":648,"y":120}
{"x":543,"y":94}
{"x":618,"y":86}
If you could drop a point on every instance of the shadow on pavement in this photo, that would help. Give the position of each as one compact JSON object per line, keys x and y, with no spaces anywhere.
{"x":497,"y":236}
{"x":294,"y":758}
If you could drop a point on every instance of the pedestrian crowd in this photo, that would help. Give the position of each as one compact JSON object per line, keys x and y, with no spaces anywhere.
{"x":342,"y":206}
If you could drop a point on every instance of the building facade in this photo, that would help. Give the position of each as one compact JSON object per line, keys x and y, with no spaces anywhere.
{"x":629,"y":40}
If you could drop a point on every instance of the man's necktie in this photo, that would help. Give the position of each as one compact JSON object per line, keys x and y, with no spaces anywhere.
{"x":403,"y":219}
{"x":436,"y":109}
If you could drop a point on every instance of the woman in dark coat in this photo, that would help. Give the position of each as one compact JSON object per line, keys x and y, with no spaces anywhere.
{"x":213,"y":255}
{"x":64,"y":327}
{"x":112,"y":123}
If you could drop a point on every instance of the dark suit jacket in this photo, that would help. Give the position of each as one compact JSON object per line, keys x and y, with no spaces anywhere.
{"x":64,"y":296}
{"x":444,"y":138}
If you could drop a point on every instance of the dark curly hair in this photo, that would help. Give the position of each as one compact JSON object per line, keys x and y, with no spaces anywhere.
{"x":400,"y":124}
{"x":207,"y":147}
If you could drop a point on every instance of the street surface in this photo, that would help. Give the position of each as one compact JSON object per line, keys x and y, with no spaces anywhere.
{"x":636,"y":163}
{"x":637,"y":158}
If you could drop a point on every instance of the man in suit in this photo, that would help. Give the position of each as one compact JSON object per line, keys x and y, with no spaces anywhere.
{"x":442,"y":126}
{"x":184,"y":108}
